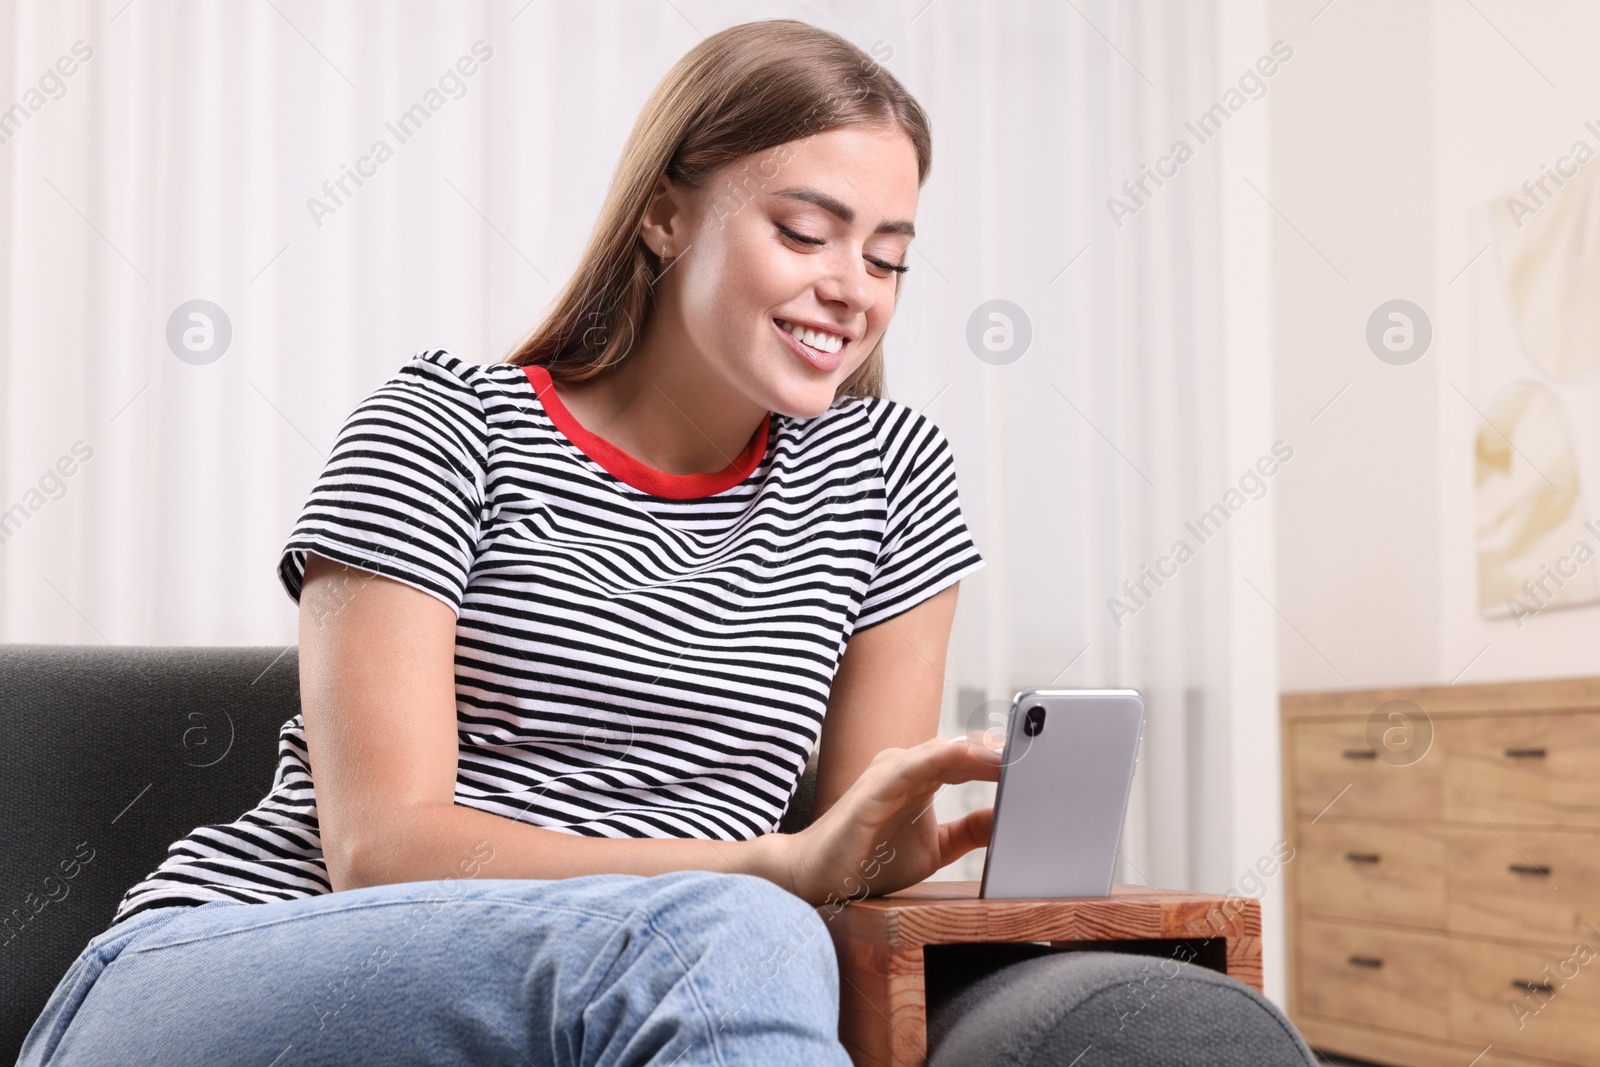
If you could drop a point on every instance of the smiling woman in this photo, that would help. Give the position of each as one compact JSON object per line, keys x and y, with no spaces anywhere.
{"x":583,"y":614}
{"x":780,"y":307}
{"x":837,"y":151}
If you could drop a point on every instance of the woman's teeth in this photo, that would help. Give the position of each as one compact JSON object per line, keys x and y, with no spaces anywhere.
{"x":822,"y":342}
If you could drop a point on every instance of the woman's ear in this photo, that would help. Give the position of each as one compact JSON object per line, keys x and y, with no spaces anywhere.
{"x":665,"y":221}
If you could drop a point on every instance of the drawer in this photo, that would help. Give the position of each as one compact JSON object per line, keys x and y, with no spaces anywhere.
{"x":1523,"y":884}
{"x":1382,"y":978}
{"x":1329,"y":756}
{"x":1530,"y":769}
{"x":1375,"y":871}
{"x":1538,"y":1000}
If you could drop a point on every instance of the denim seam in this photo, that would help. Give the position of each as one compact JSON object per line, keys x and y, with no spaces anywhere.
{"x":134,"y":934}
{"x":694,"y":990}
{"x":366,"y":907}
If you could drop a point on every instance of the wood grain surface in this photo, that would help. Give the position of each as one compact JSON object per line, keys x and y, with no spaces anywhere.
{"x":879,"y":942}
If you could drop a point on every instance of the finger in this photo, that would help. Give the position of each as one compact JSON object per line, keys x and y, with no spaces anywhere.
{"x":960,"y":836}
{"x":925,"y":767}
{"x":949,"y":761}
{"x":981,"y":740}
{"x":977,"y":755}
{"x":970,"y":745}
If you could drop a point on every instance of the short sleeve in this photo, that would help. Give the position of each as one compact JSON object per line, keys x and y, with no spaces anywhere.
{"x":402,"y":493}
{"x":926,"y":545}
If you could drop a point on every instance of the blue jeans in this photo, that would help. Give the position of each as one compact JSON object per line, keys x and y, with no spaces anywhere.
{"x":684,"y":968}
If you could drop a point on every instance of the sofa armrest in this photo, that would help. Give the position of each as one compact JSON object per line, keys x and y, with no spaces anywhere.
{"x":884,"y":946}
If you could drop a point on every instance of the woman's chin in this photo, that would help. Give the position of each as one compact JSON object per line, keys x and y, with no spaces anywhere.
{"x":805,"y":400}
{"x":804,"y":393}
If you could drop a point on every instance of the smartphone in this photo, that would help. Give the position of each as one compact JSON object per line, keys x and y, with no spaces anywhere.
{"x":1065,"y":775}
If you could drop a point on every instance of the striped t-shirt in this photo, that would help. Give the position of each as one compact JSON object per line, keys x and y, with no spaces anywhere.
{"x":638,"y":654}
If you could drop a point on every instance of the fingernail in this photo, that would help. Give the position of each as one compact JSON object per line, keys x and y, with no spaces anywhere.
{"x":957,"y":740}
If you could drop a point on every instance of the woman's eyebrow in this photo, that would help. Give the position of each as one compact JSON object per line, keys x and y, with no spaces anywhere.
{"x":843,"y":211}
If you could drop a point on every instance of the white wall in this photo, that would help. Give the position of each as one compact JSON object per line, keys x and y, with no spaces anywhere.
{"x":1357,"y":516}
{"x":1499,"y":116}
{"x":1400,"y":128}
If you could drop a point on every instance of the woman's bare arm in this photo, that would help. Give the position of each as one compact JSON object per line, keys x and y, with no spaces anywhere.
{"x":377,"y":689}
{"x":886,"y":693}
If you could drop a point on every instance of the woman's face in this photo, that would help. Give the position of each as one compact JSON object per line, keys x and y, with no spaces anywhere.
{"x":802,"y":235}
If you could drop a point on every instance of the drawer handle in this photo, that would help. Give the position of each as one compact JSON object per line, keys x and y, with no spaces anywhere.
{"x":1529,"y":868}
{"x":1360,"y":753}
{"x":1532,"y":987}
{"x":1370,"y":962}
{"x":1362,"y":857}
{"x":1524,"y":753}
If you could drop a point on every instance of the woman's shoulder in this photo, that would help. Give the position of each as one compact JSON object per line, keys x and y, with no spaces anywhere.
{"x":875,"y":414}
{"x":897,"y":429}
{"x":441,"y":369}
{"x":437,"y":394}
{"x":487,"y":393}
{"x":894,"y":437}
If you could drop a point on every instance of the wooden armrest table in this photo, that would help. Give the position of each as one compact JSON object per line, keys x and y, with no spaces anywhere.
{"x":880,"y":941}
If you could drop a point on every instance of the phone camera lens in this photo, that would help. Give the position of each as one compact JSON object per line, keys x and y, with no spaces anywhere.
{"x":1033,"y":720}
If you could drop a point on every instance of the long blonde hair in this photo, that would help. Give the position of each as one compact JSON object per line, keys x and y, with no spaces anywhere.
{"x":748,"y":88}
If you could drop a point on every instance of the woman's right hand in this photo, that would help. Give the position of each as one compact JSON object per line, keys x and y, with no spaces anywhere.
{"x":882,"y":835}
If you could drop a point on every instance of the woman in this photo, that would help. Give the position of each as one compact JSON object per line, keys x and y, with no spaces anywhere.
{"x":570,"y":625}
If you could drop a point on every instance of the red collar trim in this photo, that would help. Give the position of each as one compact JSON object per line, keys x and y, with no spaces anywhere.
{"x":630,"y":470}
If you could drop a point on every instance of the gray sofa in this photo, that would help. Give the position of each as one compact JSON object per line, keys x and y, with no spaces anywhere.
{"x":109,"y":754}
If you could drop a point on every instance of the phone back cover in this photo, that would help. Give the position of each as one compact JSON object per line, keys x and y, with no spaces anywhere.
{"x":1063,"y":795}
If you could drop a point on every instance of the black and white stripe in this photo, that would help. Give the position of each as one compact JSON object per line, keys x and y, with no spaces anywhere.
{"x":627,"y":665}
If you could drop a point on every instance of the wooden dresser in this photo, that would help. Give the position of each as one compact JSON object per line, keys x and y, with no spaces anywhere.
{"x":1444,"y":892}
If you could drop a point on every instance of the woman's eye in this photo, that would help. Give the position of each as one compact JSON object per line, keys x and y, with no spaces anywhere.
{"x":805,"y":239}
{"x":802,"y":238}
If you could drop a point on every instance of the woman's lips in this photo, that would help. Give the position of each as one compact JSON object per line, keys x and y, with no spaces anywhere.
{"x":827,"y":362}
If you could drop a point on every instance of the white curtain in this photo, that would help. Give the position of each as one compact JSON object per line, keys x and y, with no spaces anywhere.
{"x":186,"y":159}
{"x":1144,"y":397}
